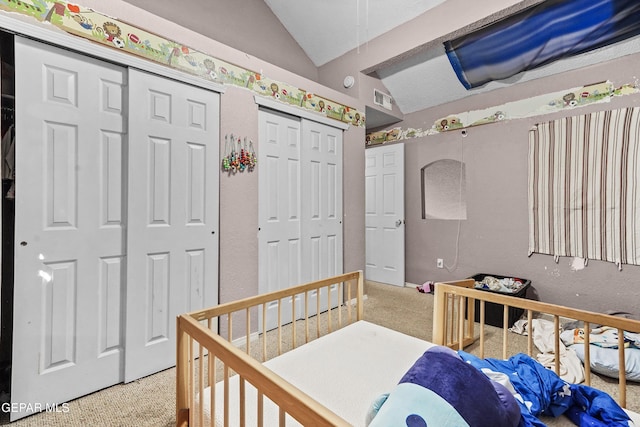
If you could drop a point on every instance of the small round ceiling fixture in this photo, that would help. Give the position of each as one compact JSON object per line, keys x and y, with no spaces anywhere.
{"x":348,"y":82}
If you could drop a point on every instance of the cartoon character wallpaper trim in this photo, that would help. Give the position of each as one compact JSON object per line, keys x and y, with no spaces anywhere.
{"x":530,"y":107}
{"x":89,"y":24}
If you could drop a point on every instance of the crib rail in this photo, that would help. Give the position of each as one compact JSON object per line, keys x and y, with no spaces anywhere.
{"x":207,"y":352}
{"x":454,"y":325}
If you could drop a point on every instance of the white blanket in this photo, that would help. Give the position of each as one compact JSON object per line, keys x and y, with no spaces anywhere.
{"x":571,"y":369}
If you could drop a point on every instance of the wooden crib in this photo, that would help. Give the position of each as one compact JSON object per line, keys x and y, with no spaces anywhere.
{"x":226,"y":381}
{"x":201,"y":349}
{"x":454,"y":325}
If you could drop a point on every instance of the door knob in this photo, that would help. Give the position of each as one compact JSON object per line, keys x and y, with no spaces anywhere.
{"x":398,"y":223}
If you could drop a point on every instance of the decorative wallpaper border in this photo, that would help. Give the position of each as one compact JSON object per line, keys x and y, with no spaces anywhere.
{"x":97,"y":27}
{"x":530,"y":107}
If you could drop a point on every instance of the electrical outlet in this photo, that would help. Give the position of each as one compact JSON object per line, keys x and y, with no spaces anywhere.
{"x":440,"y":263}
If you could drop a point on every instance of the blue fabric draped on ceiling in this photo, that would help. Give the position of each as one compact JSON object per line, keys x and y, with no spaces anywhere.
{"x":541,"y":34}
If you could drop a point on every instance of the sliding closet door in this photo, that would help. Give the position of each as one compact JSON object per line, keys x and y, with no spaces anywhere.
{"x":172,"y":240}
{"x":279,"y":246}
{"x":300,"y":208}
{"x":321,"y":225}
{"x":69,"y":254}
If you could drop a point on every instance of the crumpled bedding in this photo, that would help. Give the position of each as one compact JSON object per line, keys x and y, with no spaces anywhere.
{"x":540,"y":391}
{"x":571,"y":367}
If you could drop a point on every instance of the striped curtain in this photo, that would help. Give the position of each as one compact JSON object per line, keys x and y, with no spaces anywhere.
{"x":584,"y":187}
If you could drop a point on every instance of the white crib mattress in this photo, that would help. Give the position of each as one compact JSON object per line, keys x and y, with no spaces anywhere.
{"x":345,"y":371}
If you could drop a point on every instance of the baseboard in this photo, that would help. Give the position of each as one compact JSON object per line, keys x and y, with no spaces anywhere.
{"x":239,"y":342}
{"x":353,"y":301}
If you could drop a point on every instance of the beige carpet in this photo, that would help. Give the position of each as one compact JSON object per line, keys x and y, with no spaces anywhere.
{"x":150,"y":401}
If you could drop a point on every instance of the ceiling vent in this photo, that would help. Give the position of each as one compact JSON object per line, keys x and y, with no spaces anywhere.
{"x":382,"y":99}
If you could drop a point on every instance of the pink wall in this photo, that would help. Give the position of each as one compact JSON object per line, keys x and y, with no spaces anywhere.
{"x":494,"y":238}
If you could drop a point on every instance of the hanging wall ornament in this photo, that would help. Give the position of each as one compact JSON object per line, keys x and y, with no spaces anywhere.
{"x":233,"y":156}
{"x":239,"y":154}
{"x":226,"y":163}
{"x":242,"y":162}
{"x":251,"y":156}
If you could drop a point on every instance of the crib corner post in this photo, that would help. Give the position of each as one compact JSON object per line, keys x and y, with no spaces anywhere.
{"x":439,"y":313}
{"x":182,"y":373}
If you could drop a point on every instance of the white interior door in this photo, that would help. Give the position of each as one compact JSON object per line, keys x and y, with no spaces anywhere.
{"x":172,"y":239}
{"x":321,"y":224}
{"x":384,"y":214}
{"x":69,"y":254}
{"x":280,"y":240}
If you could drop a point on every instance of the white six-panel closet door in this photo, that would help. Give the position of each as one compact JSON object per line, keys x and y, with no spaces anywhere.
{"x":69,"y":254}
{"x":172,"y":239}
{"x":300,"y":208}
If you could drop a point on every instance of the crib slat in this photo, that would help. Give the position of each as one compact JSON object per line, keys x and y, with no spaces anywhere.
{"x":587,"y":354}
{"x":264,"y":332}
{"x":349,"y":300}
{"x":360,"y":296}
{"x":505,"y":330}
{"x":461,"y":304}
{"x":530,"y":333}
{"x":212,"y":388}
{"x":340,"y":291}
{"x":306,"y":317}
{"x":191,"y":379}
{"x":556,"y":343}
{"x":248,"y":330}
{"x":482,"y":314}
{"x":242,"y":402}
{"x":622,"y":369}
{"x":201,"y":384}
{"x":293,"y":321}
{"x":279,"y":327}
{"x":260,"y":409}
{"x":328,"y":308}
{"x":226,"y":396}
{"x":317,"y":313}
